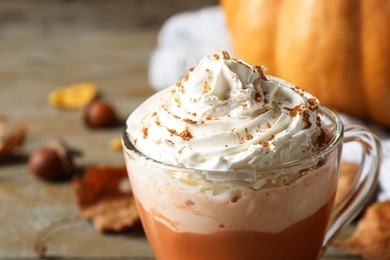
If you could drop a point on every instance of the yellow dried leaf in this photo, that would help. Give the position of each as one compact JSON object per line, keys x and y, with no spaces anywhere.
{"x":73,"y":96}
{"x":115,"y":144}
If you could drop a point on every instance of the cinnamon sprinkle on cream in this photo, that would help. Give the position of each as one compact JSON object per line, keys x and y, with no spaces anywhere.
{"x":189,"y":121}
{"x":240,"y":139}
{"x":306,"y":119}
{"x":226,"y":55}
{"x":206,"y":87}
{"x":322,"y":139}
{"x":248,"y":135}
{"x":260,"y":71}
{"x":169,"y":141}
{"x":313,"y":104}
{"x":185,"y":135}
{"x":145,"y":132}
{"x":181,"y":150}
{"x":264,"y":144}
{"x":301,"y":111}
{"x":258,"y":97}
{"x":294,"y":111}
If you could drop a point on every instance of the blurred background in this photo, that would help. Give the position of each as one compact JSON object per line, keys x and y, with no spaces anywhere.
{"x":46,"y":44}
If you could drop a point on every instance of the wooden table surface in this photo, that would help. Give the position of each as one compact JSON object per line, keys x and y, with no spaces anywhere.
{"x":47,"y":44}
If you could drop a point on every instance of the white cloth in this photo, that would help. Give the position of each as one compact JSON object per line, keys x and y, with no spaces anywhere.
{"x":183,"y":40}
{"x":186,"y":37}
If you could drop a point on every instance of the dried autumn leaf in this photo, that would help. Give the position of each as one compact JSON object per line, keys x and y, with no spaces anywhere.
{"x":73,"y":96}
{"x":105,"y":197}
{"x":115,"y":144}
{"x":371,"y":238}
{"x":347,"y":177}
{"x":113,"y":215}
{"x":12,"y":135}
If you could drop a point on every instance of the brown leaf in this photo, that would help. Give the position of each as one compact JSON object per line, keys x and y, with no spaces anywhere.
{"x":113,"y":215}
{"x":12,"y":135}
{"x":104,"y":196}
{"x":371,"y":239}
{"x":347,"y":175}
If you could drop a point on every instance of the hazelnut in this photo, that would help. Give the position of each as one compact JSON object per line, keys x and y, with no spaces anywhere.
{"x":52,"y":162}
{"x":99,"y":113}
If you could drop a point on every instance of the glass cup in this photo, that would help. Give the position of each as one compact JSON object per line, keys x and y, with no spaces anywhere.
{"x":280,"y":212}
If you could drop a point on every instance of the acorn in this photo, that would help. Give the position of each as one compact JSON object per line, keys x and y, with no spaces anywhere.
{"x":53,"y":162}
{"x":100,"y":114}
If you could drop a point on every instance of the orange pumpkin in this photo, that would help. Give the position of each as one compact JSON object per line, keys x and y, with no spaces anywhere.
{"x":338,"y":50}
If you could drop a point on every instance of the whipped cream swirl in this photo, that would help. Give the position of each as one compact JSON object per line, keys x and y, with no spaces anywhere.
{"x":227,"y":115}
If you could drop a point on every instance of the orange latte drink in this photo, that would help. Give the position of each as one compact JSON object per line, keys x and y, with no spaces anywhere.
{"x":239,"y":223}
{"x":231,"y":163}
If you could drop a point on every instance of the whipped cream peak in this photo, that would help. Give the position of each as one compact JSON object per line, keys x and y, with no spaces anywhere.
{"x":227,"y":115}
{"x":220,"y":87}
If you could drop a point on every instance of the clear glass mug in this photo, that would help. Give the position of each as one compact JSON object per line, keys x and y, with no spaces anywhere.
{"x":274,"y":213}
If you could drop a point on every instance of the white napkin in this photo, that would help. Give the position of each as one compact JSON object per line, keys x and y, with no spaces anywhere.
{"x":186,"y":37}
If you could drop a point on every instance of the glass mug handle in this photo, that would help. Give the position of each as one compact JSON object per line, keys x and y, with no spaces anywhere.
{"x":364,"y":184}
